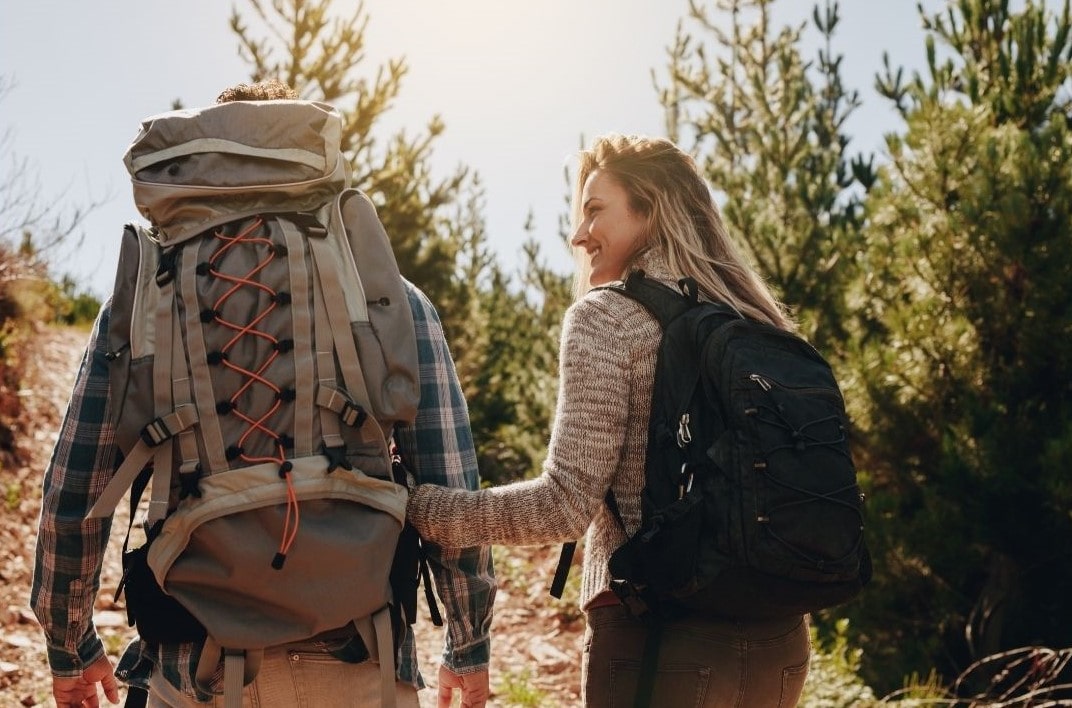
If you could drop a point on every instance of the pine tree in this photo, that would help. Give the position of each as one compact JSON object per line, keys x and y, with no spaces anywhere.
{"x":515,"y":379}
{"x":768,"y":128}
{"x":967,"y":353}
{"x":322,"y":55}
{"x":504,"y":339}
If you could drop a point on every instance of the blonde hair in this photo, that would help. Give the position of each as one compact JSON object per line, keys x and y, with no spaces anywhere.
{"x":683,"y":221}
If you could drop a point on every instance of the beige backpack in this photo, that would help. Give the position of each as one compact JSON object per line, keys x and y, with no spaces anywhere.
{"x":261,"y":352}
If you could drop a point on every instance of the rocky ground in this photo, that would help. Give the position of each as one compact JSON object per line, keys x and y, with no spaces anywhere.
{"x":537,"y":640}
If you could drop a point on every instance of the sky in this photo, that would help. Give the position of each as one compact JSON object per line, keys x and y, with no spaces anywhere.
{"x":519,"y":85}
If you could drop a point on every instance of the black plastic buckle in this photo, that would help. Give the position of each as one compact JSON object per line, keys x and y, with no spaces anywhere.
{"x":308,"y":223}
{"x":156,"y":432}
{"x":336,"y":457}
{"x":630,"y":597}
{"x":165,"y":272}
{"x":188,"y":483}
{"x":353,"y":414}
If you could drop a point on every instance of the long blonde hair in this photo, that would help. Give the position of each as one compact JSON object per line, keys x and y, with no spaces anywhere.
{"x":683,"y":221}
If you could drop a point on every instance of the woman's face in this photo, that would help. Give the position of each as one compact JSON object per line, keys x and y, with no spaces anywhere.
{"x":610,"y":232}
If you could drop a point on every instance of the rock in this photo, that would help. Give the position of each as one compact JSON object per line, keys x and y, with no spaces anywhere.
{"x":550,"y":659}
{"x":109,"y":618}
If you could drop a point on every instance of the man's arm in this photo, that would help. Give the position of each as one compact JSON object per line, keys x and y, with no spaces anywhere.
{"x":439,"y":450}
{"x":70,"y":550}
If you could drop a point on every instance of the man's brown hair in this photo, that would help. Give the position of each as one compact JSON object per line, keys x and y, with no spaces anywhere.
{"x":266,"y":90}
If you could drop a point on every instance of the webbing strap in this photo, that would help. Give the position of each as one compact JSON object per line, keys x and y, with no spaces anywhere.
{"x":163,"y":400}
{"x":385,"y":648}
{"x":234,"y":666}
{"x":325,"y":368}
{"x":303,"y":332}
{"x":338,"y":317}
{"x":565,"y":560}
{"x":240,"y":667}
{"x":180,"y":373}
{"x":376,"y":633}
{"x":137,"y":458}
{"x":202,"y":383}
{"x":649,"y":666}
{"x":332,"y":399}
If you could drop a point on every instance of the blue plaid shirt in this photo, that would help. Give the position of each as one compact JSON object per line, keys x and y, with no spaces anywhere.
{"x":70,"y":550}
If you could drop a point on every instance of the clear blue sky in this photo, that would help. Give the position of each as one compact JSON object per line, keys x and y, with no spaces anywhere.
{"x":517,"y":84}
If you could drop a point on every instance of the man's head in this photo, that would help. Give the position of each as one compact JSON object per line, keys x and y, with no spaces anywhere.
{"x":266,"y":90}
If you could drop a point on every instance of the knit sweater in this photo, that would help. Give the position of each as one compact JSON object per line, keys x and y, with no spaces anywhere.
{"x":599,"y":440}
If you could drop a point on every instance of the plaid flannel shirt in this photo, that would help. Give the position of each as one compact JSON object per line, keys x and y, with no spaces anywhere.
{"x":70,"y":550}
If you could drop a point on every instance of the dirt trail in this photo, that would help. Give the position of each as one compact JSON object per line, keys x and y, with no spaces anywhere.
{"x":536,"y":641}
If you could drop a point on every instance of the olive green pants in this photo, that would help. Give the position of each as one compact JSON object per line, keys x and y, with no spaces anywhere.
{"x":702,"y":663}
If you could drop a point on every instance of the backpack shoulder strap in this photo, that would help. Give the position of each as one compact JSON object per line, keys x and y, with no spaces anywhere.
{"x":664,"y":302}
{"x":660,"y":300}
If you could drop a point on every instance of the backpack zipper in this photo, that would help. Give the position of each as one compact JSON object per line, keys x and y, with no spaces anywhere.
{"x":768,"y":384}
{"x":763,"y":383}
{"x":684,"y":435}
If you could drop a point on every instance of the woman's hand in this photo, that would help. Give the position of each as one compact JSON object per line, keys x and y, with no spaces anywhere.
{"x":474,"y":687}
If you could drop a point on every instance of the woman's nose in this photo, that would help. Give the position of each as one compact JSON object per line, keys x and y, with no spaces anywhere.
{"x":579,"y":236}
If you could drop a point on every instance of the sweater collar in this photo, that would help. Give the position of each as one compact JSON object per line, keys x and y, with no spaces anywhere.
{"x":653,"y":263}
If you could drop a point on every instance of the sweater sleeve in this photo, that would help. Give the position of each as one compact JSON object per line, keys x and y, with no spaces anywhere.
{"x":586,"y":442}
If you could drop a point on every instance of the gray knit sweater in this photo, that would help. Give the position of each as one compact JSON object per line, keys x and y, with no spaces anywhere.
{"x":606,"y":369}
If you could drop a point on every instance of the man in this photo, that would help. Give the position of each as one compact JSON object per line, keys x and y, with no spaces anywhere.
{"x":439,"y":450}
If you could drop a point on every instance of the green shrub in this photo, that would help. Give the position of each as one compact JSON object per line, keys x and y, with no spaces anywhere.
{"x":833,"y":679}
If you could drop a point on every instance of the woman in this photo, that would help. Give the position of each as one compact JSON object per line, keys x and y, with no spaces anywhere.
{"x":639,"y":203}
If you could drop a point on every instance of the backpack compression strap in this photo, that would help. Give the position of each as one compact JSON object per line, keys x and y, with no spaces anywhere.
{"x":317,"y":331}
{"x":331,"y":254}
{"x":239,"y":669}
{"x":176,"y":414}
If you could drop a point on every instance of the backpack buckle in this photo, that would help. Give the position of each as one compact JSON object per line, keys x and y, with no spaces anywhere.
{"x":630,"y":597}
{"x":156,"y":432}
{"x":165,"y":272}
{"x":339,"y":403}
{"x":336,"y":457}
{"x":684,"y":482}
{"x":168,"y":426}
{"x":353,"y":414}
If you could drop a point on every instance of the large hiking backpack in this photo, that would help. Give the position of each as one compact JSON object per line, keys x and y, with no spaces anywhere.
{"x":261,"y":351}
{"x":750,"y":507}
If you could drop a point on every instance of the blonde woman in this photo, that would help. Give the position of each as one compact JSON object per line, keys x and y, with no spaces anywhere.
{"x":639,"y":203}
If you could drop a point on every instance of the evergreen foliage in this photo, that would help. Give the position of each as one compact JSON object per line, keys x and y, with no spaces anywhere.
{"x":515,"y":379}
{"x":504,"y":337}
{"x":322,"y":55}
{"x":768,"y":128}
{"x":964,"y":347}
{"x":938,"y":283}
{"x":833,"y":673}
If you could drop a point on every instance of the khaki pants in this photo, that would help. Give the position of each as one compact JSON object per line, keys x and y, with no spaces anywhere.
{"x":702,"y":663}
{"x":290,"y":678}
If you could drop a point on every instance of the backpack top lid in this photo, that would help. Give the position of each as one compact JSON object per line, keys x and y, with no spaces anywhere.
{"x":194,"y":169}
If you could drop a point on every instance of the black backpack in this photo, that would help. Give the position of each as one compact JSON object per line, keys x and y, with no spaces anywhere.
{"x":751,"y":508}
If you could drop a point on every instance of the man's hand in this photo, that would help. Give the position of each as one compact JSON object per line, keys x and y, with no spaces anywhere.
{"x":81,"y":691}
{"x":474,"y":687}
